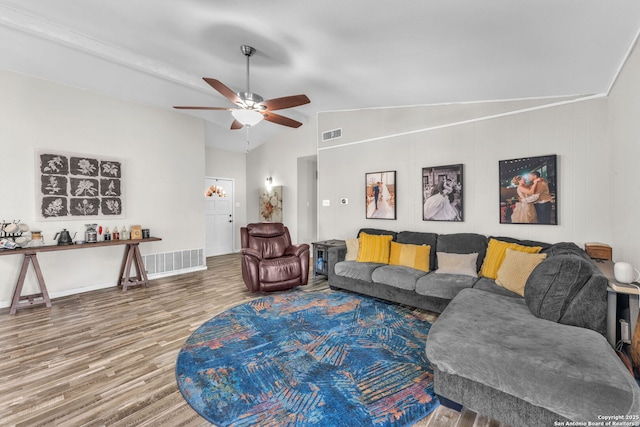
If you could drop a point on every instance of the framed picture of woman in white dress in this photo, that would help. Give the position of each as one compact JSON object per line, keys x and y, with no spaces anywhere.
{"x":442,"y":193}
{"x":380,"y":195}
{"x":528,"y":190}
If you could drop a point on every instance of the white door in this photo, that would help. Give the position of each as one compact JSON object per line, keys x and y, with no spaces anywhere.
{"x":219,"y":216}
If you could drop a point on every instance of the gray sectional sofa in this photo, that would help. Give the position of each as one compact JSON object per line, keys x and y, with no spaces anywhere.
{"x":530,"y":361}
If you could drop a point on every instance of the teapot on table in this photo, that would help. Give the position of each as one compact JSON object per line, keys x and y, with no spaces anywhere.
{"x":65,"y":238}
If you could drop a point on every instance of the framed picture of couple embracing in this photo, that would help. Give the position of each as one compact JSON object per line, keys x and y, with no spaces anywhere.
{"x":380,"y":195}
{"x":528,"y":190}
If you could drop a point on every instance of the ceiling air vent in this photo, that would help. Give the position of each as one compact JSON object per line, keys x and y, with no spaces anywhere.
{"x":331,"y":134}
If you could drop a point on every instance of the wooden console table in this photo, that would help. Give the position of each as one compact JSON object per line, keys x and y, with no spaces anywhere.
{"x":131,"y":256}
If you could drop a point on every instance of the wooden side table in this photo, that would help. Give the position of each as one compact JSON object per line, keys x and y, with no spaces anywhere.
{"x":320,"y":256}
{"x":615,"y":289}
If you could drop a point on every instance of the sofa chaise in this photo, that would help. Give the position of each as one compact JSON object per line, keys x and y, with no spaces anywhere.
{"x":533,"y":357}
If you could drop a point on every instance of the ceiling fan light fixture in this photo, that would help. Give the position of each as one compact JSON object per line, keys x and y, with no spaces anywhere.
{"x":247,"y":117}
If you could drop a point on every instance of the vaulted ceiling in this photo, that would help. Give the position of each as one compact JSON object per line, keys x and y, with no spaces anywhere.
{"x":342,"y":54}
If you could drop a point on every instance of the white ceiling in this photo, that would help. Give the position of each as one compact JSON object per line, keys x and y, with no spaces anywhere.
{"x":343,"y":54}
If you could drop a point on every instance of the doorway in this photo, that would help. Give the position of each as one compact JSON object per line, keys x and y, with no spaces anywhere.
{"x":307,"y":199}
{"x":218,"y":213}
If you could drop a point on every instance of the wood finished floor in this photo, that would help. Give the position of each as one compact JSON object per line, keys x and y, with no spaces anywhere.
{"x":107,"y":357}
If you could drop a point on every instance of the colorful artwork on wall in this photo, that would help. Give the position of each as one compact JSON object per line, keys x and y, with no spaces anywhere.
{"x":270,"y":204}
{"x":529,"y":190}
{"x":75,"y":186}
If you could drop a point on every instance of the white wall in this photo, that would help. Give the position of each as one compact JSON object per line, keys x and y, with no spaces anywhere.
{"x":163,"y":154}
{"x":576,"y":132}
{"x":227,"y":164}
{"x":278,"y":159}
{"x":624,"y":209}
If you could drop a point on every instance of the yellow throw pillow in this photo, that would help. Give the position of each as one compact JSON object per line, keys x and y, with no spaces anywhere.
{"x":406,"y":255}
{"x":495,"y":255}
{"x":353,"y":245}
{"x":516,"y":269}
{"x":374,"y":248}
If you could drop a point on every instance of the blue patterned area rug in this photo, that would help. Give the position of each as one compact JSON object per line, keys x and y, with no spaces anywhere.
{"x":309,"y":358}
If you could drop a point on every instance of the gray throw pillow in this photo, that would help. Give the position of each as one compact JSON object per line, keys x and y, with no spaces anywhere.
{"x":463,"y":264}
{"x":568,"y":289}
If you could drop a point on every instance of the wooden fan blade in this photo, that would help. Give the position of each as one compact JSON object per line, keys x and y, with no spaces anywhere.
{"x":180,"y":107}
{"x":281,"y":120}
{"x":286,"y":102}
{"x":224,"y":90}
{"x":236,"y":125}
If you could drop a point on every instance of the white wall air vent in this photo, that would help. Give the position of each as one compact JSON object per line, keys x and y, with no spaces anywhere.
{"x":162,"y":264}
{"x":331,"y":134}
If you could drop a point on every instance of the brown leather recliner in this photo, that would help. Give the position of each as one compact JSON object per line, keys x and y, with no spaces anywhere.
{"x":269,"y":261}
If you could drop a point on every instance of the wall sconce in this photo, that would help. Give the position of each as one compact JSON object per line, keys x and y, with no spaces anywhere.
{"x":268,"y":182}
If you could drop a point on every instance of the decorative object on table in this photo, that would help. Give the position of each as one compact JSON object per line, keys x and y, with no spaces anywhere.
{"x":71,"y":186}
{"x":124,"y":234}
{"x":146,"y":233}
{"x":270,"y":204}
{"x":116,"y":234}
{"x":309,"y":358}
{"x":37,"y":239}
{"x":8,"y":244}
{"x":91,"y":234}
{"x":107,"y":234}
{"x":136,"y":232}
{"x":625,"y":272}
{"x":64,"y":237}
{"x":22,"y":241}
{"x":380,"y":195}
{"x":269,"y":261}
{"x":12,"y":229}
{"x":442,"y":193}
{"x":528,"y":190}
{"x":14,"y":234}
{"x":598,"y":251}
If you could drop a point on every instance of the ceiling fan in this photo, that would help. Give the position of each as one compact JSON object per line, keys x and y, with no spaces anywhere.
{"x":252,"y":108}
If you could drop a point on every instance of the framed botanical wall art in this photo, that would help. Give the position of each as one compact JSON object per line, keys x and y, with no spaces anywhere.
{"x":529,"y":190}
{"x":442,"y":193}
{"x":380,"y":195}
{"x":75,"y":186}
{"x":270,"y":204}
